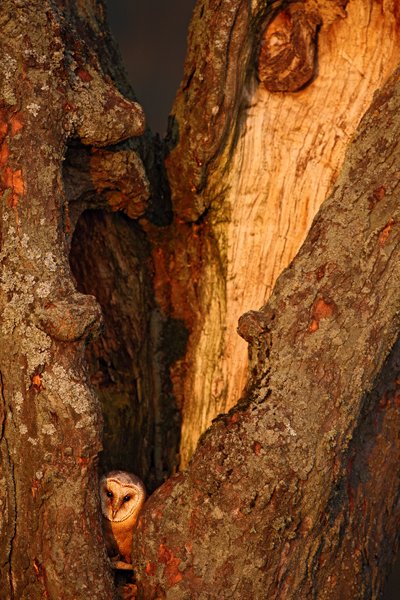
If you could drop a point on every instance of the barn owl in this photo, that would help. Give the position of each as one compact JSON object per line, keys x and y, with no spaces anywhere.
{"x":122,"y":496}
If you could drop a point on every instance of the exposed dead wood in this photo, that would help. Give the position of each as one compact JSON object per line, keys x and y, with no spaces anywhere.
{"x":286,"y":160}
{"x":293,"y":494}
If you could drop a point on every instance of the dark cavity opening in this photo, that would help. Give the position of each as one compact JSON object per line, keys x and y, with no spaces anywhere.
{"x":110,"y":259}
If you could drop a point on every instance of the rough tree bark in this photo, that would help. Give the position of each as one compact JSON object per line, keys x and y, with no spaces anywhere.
{"x":284,"y":496}
{"x":250,"y":164}
{"x":56,"y":85}
{"x":293,"y":492}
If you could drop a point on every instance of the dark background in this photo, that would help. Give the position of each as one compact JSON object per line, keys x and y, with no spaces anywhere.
{"x":151,"y":35}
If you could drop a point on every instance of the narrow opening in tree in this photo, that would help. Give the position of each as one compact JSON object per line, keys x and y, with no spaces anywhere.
{"x":110,"y":260}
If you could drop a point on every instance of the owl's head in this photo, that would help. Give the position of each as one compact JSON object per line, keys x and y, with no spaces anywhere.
{"x":122,"y":496}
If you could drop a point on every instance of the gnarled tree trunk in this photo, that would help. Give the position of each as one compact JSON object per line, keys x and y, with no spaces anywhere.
{"x":250,"y":164}
{"x":56,"y":86}
{"x":293,"y":493}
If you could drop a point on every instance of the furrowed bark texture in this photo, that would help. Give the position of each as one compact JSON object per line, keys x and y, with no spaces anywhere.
{"x":250,"y":162}
{"x":294,"y":494}
{"x":53,"y":86}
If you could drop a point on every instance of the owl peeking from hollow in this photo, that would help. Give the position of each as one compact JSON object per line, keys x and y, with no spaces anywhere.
{"x":122,"y":496}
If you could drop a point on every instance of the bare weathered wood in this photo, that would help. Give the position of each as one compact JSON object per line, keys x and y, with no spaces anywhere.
{"x":293,"y":494}
{"x":265,"y":185}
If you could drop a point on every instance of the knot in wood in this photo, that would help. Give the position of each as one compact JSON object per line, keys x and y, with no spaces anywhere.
{"x":120,"y":177}
{"x":287,"y":58}
{"x":70,"y":320}
{"x":252,"y":324}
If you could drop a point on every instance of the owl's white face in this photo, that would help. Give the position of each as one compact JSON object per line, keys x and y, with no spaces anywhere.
{"x":122,"y":495}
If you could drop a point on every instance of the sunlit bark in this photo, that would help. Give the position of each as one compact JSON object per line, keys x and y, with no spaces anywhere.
{"x":292,"y":493}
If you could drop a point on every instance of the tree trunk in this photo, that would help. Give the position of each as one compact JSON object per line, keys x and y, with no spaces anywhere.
{"x":293,"y":493}
{"x":56,"y":85}
{"x":110,"y":259}
{"x":249,"y":166}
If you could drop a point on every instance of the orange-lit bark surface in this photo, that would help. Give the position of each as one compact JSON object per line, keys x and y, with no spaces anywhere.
{"x":251,"y":191}
{"x":293,"y":493}
{"x":54,"y":87}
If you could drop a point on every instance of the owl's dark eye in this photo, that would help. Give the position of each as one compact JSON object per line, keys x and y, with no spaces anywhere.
{"x":126,"y":498}
{"x":109,"y":494}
